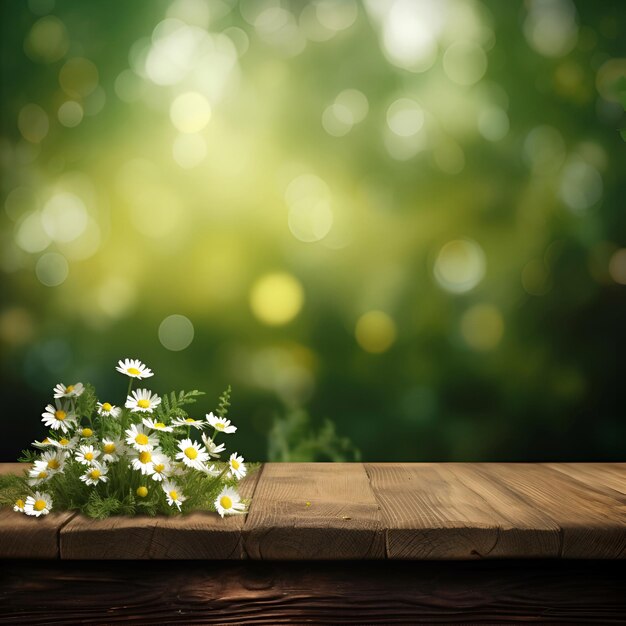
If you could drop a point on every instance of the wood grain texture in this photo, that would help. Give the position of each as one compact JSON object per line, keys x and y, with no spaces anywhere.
{"x":593,"y":524}
{"x":608,"y":478}
{"x":449,"y":511}
{"x":314,"y":511}
{"x":371,"y":592}
{"x":24,"y":537}
{"x":201,"y":535}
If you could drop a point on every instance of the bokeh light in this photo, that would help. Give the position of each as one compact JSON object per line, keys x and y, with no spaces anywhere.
{"x":460,"y":265}
{"x":276,"y":298}
{"x":176,"y":332}
{"x":375,"y":331}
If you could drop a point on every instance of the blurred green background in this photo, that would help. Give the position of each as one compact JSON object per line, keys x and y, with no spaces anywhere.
{"x":406,"y":216}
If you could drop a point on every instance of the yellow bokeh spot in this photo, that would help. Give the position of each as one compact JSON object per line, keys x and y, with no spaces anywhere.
{"x":277,"y":298}
{"x":482,"y":327}
{"x":78,"y":77}
{"x":39,"y":505}
{"x":141,"y":439}
{"x":191,"y":452}
{"x":142,"y":492}
{"x":226,"y":502}
{"x":190,"y":112}
{"x":375,"y":332}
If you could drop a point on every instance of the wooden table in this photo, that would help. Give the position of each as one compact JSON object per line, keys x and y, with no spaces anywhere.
{"x":433,"y":541}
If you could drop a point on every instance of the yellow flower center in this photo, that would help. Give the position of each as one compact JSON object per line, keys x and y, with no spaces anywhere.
{"x":145,"y":457}
{"x":191,"y":452}
{"x":46,"y":440}
{"x":134,"y":371}
{"x":109,"y":448}
{"x":174,"y":495}
{"x":39,"y":505}
{"x":159,"y":468}
{"x":142,"y":492}
{"x":19,"y":504}
{"x":64,"y":441}
{"x":234,"y":464}
{"x":89,"y":456}
{"x":87,"y":432}
{"x":190,"y":420}
{"x":53,"y":464}
{"x":95,"y":474}
{"x":106,"y":407}
{"x":60,"y":415}
{"x":159,"y":425}
{"x":43,"y":475}
{"x":143,"y":403}
{"x":226,"y":502}
{"x":69,"y":389}
{"x":219,"y":426}
{"x":141,"y":439}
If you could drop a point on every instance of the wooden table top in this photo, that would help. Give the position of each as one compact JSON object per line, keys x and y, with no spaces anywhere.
{"x":414,"y":511}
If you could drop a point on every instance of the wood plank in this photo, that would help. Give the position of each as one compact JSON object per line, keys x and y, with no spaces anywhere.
{"x":364,"y":592}
{"x":24,"y":537}
{"x":593,"y":524}
{"x":447,"y":511}
{"x":200,"y":535}
{"x":608,"y":478}
{"x":314,"y":511}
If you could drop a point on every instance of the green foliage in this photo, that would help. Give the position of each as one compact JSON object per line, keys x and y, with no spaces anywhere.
{"x":171,"y":404}
{"x":86,"y":403}
{"x":293,"y":438}
{"x":224,"y":403}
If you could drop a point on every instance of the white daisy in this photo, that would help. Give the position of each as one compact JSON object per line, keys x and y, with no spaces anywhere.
{"x":87,"y":455}
{"x":134,"y":368}
{"x":96,"y":473}
{"x":192,"y":454}
{"x":71,"y":391}
{"x":188,"y":421}
{"x":140,"y":439}
{"x":145,"y":461}
{"x":39,"y":473}
{"x":152,"y":423}
{"x":106,"y":409}
{"x":162,"y":469}
{"x":39,"y":504}
{"x":112,"y":449}
{"x":142,"y":400}
{"x":86,"y":432}
{"x":212,"y":448}
{"x":54,"y":459}
{"x":237,"y":466}
{"x":229,"y":502}
{"x":64,"y":443}
{"x":173,"y":494}
{"x":59,"y":417}
{"x":220,"y":424}
{"x":18,"y":507}
{"x":45,"y":443}
{"x":211,"y":470}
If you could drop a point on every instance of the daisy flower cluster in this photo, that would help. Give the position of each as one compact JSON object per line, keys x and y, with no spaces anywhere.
{"x":145,"y":455}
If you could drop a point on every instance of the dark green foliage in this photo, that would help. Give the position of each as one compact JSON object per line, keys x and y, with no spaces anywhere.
{"x":224,"y":403}
{"x":170,"y":406}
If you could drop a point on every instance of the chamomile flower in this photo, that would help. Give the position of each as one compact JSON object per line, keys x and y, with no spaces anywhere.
{"x":112,"y":449}
{"x":64,"y":443}
{"x":152,"y":423}
{"x":211,"y":470}
{"x":39,"y":504}
{"x":220,"y":424}
{"x":71,"y":391}
{"x":237,"y":466}
{"x":59,"y":417}
{"x":173,"y":494}
{"x":188,"y":421}
{"x":212,"y":448}
{"x":45,"y":443}
{"x":162,"y":470}
{"x":134,"y":368}
{"x":229,"y":502}
{"x":143,"y":401}
{"x":140,"y":439}
{"x":106,"y":409}
{"x":192,"y":454}
{"x":87,"y":455}
{"x":96,"y":473}
{"x":145,"y":461}
{"x":54,"y":459}
{"x":86,"y":432}
{"x":39,"y":473}
{"x":18,"y":507}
